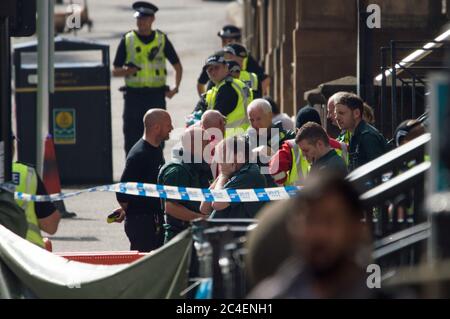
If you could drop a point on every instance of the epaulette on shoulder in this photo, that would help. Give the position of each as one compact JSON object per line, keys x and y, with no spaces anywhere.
{"x":159,"y":31}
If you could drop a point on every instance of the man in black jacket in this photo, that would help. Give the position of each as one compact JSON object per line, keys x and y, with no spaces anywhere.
{"x":143,"y":215}
{"x":366,"y":143}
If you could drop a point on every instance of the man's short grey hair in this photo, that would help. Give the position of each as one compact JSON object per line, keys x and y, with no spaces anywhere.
{"x":260,"y":103}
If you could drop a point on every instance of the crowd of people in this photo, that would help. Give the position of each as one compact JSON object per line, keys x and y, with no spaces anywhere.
{"x":237,"y":138}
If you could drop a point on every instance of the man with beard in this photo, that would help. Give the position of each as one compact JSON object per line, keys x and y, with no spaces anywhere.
{"x":366,"y":143}
{"x":328,"y":239}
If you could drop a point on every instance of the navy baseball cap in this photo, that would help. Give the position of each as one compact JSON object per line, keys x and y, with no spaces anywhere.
{"x":144,"y":9}
{"x":236,"y":50}
{"x":233,"y":66}
{"x":229,"y":31}
{"x":216,"y":58}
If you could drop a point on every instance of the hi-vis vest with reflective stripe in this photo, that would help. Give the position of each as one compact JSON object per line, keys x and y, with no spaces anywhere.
{"x":153,"y":74}
{"x":250,"y":79}
{"x":237,"y":121}
{"x":300,"y":166}
{"x":25,"y":179}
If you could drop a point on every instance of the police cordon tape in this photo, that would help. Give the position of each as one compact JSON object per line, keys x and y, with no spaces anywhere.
{"x":172,"y":192}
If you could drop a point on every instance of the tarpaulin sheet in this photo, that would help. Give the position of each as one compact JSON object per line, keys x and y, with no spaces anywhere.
{"x":161,"y":274}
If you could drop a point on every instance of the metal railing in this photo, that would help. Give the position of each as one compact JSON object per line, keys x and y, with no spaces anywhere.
{"x":392,"y":163}
{"x":220,"y":251}
{"x":404,"y":247}
{"x":220,"y":244}
{"x":394,"y":205}
{"x":408,"y":84}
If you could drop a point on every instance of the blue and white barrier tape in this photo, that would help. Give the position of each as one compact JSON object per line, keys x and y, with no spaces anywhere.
{"x":174,"y":192}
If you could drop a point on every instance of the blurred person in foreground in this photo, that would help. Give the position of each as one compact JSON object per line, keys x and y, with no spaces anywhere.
{"x":330,"y":244}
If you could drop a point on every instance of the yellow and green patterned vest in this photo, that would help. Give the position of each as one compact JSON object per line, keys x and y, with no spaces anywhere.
{"x":153,"y":74}
{"x":26,"y":181}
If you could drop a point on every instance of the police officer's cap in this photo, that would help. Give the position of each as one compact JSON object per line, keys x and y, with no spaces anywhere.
{"x":236,"y":49}
{"x":216,"y":58}
{"x":230,"y":31}
{"x":144,"y":9}
{"x":233,"y":66}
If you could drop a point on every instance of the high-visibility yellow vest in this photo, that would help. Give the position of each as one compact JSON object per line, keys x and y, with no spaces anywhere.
{"x":244,"y":64}
{"x":26,"y":181}
{"x":344,"y":140}
{"x":153,"y":74}
{"x":237,"y":121}
{"x":299,"y":167}
{"x":343,"y":152}
{"x":346,"y":137}
{"x":250,"y":79}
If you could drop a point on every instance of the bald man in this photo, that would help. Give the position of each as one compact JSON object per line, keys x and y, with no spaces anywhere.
{"x":190,"y":170}
{"x":213,"y":120}
{"x":143,"y":215}
{"x":214,"y":123}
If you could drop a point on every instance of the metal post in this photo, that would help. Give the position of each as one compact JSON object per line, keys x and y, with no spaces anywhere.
{"x":393,"y":88}
{"x":384,"y":100}
{"x":42,"y":122}
{"x":413,"y":98}
{"x":365,"y":56}
{"x":5,"y":96}
{"x":51,"y":46}
{"x":402,"y":101}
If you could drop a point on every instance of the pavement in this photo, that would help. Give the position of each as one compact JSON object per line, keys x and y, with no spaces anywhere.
{"x":192,"y":26}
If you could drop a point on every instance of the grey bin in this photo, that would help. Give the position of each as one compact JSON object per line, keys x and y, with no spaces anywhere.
{"x":79,"y":111}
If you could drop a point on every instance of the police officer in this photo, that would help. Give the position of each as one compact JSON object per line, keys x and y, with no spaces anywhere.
{"x":231,"y":34}
{"x":141,"y":59}
{"x":234,"y":68}
{"x":229,"y":96}
{"x":40,"y":215}
{"x":237,"y":53}
{"x":366,"y":143}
